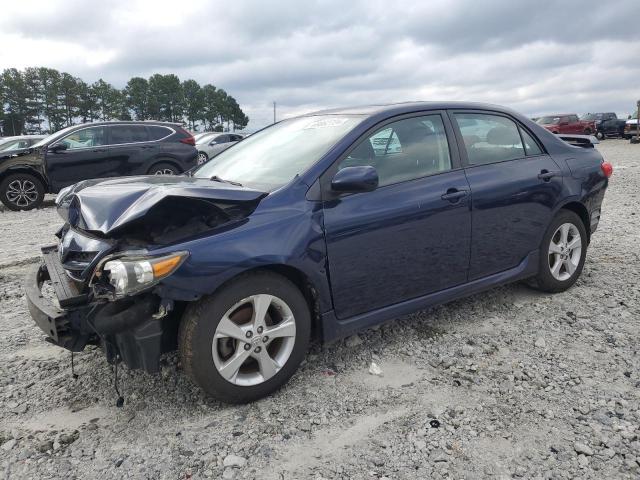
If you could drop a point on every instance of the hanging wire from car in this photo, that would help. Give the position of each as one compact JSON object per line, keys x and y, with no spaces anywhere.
{"x":74,"y":375}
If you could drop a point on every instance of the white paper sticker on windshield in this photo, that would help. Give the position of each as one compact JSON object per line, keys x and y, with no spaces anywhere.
{"x":327,"y":122}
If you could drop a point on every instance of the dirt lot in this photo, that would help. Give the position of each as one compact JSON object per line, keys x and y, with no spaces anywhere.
{"x":509,"y":383}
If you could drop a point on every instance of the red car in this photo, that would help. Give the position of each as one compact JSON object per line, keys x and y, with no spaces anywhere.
{"x":567,"y":123}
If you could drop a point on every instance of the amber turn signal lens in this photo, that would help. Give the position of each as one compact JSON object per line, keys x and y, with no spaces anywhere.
{"x":164,"y":267}
{"x":607,"y":169}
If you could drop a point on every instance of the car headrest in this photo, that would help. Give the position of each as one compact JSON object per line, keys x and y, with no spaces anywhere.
{"x":503,"y":136}
{"x":413,"y":133}
{"x":363,"y":151}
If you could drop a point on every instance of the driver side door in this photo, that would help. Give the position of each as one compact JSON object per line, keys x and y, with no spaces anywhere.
{"x":86,"y":157}
{"x":411,"y":235}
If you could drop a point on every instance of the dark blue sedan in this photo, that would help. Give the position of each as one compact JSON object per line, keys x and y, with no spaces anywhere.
{"x":317,"y":226}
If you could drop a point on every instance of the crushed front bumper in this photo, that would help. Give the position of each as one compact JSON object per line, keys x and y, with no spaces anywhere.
{"x":126,"y":329}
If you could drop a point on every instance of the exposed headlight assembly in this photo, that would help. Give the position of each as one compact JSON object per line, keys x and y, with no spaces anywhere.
{"x":129,"y":275}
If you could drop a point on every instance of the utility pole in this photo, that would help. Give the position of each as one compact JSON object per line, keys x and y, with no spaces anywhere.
{"x":274,"y":112}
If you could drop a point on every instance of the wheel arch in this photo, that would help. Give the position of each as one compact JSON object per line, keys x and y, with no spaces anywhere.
{"x":170,"y":160}
{"x":582,"y":212}
{"x":299,"y":279}
{"x":25,"y":169}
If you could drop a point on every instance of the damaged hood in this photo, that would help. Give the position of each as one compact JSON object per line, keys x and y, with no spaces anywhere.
{"x":106,"y":205}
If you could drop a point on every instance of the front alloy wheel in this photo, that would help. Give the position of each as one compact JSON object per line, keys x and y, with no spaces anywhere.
{"x":21,"y":191}
{"x":202,"y":158}
{"x":247,"y":339}
{"x":254,"y":340}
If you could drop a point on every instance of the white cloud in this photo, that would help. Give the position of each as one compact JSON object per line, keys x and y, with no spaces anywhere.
{"x":536,"y":57}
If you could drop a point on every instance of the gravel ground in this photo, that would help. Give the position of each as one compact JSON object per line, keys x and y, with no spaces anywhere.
{"x":509,"y":383}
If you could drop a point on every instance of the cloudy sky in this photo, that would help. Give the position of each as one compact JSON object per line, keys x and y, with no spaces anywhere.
{"x":537,"y":56}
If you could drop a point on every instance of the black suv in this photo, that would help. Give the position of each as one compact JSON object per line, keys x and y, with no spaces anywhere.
{"x":94,"y":150}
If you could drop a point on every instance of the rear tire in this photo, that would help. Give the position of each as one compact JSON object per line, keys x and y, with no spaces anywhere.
{"x":21,"y":191}
{"x":163,"y":168}
{"x":562,"y":253}
{"x":224,"y":340}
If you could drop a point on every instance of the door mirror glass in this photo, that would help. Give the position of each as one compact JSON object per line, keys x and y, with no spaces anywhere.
{"x":355,"y":179}
{"x":58,"y":147}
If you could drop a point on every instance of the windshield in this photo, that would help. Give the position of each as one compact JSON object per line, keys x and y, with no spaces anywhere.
{"x":593,"y":116}
{"x":53,"y":137}
{"x":548,"y":120}
{"x":274,"y":156}
{"x":13,"y":145}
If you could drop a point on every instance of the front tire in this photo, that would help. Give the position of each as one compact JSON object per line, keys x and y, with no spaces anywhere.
{"x":246,"y":340}
{"x":202,"y":158}
{"x":600,"y":135}
{"x":21,"y":191}
{"x":562,"y":253}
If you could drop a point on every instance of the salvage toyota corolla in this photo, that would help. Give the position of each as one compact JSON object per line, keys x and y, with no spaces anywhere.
{"x":317,"y":226}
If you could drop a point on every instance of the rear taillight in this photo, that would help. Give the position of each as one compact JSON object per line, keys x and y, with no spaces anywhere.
{"x":607,"y":169}
{"x":188,"y":138}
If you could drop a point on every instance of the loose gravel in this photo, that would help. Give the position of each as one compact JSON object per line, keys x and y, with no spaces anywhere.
{"x":508,"y":383}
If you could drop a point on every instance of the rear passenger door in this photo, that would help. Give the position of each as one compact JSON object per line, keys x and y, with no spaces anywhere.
{"x":410,"y":236}
{"x":514,"y":185}
{"x":130,"y":150}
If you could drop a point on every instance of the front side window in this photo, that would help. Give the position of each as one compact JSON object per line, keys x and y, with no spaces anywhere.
{"x":85,"y":138}
{"x":548,"y":120}
{"x":128,"y":134}
{"x":404,"y":150}
{"x":489,"y":138}
{"x":272,"y":157}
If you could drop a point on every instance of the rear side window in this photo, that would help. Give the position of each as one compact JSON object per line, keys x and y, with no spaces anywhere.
{"x":489,"y":138}
{"x":156,"y":132}
{"x":128,"y":134}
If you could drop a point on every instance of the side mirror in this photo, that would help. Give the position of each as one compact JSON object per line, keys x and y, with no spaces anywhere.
{"x":355,"y":179}
{"x":58,"y":147}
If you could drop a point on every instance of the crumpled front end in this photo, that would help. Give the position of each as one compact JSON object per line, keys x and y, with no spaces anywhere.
{"x":121,"y":238}
{"x":135,"y":329}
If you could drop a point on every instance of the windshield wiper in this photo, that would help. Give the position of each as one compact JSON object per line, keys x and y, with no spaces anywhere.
{"x":216,"y":178}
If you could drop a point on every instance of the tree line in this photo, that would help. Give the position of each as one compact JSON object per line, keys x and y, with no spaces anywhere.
{"x":39,"y":100}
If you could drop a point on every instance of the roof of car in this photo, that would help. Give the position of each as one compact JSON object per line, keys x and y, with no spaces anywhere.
{"x":130,"y":122}
{"x":408,"y":107}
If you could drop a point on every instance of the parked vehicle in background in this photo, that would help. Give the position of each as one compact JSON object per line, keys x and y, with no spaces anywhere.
{"x":19,"y":144}
{"x":94,"y":150}
{"x":607,"y":124}
{"x":567,"y":123}
{"x":313,"y":226}
{"x":209,"y":146}
{"x":631,"y":127}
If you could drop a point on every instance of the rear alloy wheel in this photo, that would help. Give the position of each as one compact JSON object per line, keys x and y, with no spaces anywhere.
{"x":246,"y":340}
{"x":163,"y":169}
{"x":202,"y":158}
{"x":21,"y":191}
{"x":562,"y":253}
